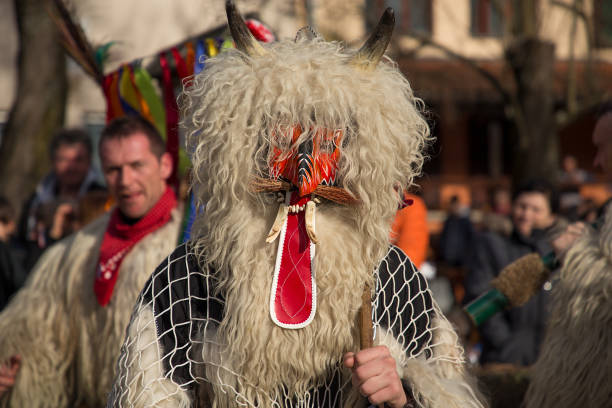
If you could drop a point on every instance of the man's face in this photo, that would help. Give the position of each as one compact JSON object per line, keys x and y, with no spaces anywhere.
{"x":530,"y":211}
{"x":602,"y":139}
{"x":136,"y":178}
{"x":71,"y":163}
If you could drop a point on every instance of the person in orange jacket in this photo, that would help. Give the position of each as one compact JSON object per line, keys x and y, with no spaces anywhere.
{"x":410,"y":231}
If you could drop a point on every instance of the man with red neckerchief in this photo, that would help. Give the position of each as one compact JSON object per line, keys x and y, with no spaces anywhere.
{"x":62,"y":333}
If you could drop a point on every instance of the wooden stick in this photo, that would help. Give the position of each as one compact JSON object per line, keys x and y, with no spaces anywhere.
{"x":366,"y":331}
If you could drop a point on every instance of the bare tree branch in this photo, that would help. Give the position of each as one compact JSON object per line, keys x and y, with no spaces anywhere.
{"x":578,"y":11}
{"x":577,"y":8}
{"x":492,"y":79}
{"x":571,"y":71}
{"x":586,"y":106}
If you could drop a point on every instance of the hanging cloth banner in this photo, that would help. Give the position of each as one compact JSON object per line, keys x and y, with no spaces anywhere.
{"x":144,"y":84}
{"x":172,"y":117}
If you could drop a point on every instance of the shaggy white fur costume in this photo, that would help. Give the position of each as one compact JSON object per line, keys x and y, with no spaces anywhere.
{"x":69,"y":343}
{"x":575,"y":366}
{"x":235,"y":112}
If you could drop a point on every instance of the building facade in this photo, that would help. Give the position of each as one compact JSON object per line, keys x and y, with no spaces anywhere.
{"x":451,"y":50}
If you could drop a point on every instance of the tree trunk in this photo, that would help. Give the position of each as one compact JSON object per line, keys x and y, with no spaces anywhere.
{"x":537,"y":151}
{"x":39,"y":106}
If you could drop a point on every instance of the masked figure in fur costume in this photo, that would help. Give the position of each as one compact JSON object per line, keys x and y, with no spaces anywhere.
{"x":575,"y":364}
{"x":61,"y":334}
{"x":301,"y":151}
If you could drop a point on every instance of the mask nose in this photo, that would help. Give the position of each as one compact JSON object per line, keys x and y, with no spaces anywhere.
{"x":307,"y":177}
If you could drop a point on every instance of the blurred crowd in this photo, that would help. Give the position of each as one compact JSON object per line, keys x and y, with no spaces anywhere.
{"x":67,"y":198}
{"x":468,"y":250}
{"x":474,"y":245}
{"x":459,"y":259}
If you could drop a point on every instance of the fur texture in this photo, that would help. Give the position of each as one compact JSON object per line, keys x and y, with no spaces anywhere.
{"x":68,"y":343}
{"x":161,"y":392}
{"x":235,"y":112}
{"x":267,"y":355}
{"x":441,"y":381}
{"x":575,"y":365}
{"x":235,"y":108}
{"x":522,"y":279}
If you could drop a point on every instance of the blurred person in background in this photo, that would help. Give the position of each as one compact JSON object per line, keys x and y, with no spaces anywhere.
{"x":514,"y":336}
{"x":457,"y":234}
{"x":410,"y":231}
{"x":570,"y":180}
{"x":497,"y":219}
{"x":91,"y":206}
{"x":501,"y":201}
{"x":588,"y":211}
{"x":79,"y":297}
{"x":453,"y":248}
{"x":572,"y":174}
{"x":49,"y":211}
{"x":12,"y":275}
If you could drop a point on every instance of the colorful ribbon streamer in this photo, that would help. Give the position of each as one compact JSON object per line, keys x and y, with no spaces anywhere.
{"x":111,"y":91}
{"x":188,"y":218}
{"x":145,"y":86}
{"x":128,"y":95}
{"x":200,"y":57}
{"x":189,"y":58}
{"x":211,"y":47}
{"x":172,"y":117}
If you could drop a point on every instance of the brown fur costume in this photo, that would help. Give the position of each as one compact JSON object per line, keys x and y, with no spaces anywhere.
{"x":232,"y":110}
{"x":575,"y":365}
{"x":68,"y":342}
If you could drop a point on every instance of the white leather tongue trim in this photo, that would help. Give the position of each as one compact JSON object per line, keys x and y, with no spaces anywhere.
{"x":277,"y":266}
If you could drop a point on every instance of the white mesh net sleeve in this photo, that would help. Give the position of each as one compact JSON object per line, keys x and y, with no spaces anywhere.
{"x":171,"y":356}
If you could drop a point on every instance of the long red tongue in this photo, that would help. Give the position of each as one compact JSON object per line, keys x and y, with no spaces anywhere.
{"x":293,"y":297}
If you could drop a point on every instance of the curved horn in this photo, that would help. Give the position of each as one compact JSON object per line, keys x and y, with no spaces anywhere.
{"x":372,"y":51}
{"x":240,"y":32}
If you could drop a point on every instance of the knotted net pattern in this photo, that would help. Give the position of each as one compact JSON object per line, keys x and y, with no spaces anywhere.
{"x":171,"y":357}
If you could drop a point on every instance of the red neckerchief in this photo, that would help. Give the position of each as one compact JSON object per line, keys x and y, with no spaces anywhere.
{"x":119,"y":239}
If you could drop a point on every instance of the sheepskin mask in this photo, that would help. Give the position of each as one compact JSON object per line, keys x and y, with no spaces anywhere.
{"x":302,"y":164}
{"x":312,"y":163}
